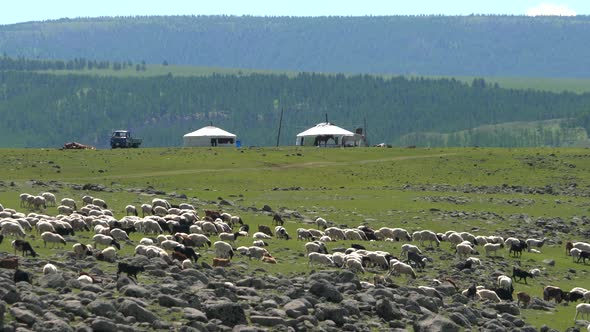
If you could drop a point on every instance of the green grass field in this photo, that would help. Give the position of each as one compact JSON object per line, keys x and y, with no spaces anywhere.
{"x":558,"y":85}
{"x":380,"y":187}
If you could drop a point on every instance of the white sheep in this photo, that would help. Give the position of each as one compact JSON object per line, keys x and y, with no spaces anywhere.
{"x":492,"y":247}
{"x":49,"y":268}
{"x":65,"y":210}
{"x":69,"y":203}
{"x":229,"y":237}
{"x":429,"y":236}
{"x":510,"y":241}
{"x":355,"y":265}
{"x":468,"y":237}
{"x":100,"y":203}
{"x":87,"y":199}
{"x":430,"y":291}
{"x":84,"y":279}
{"x":465,"y":250}
{"x":409,"y":247}
{"x":187,"y":264}
{"x":355,"y":235}
{"x":169,"y":244}
{"x":488,"y":295}
{"x":81,"y":250}
{"x":335,"y":233}
{"x":261,"y":236}
{"x":130,"y":209}
{"x":259,"y":243}
{"x":49,"y":198}
{"x":13,"y":228}
{"x":481,"y":240}
{"x":322,"y":259}
{"x":474,"y":260}
{"x":109,"y":254}
{"x":209,"y":228}
{"x":582,"y":246}
{"x":186,"y":206}
{"x":575,"y":253}
{"x":534,"y":243}
{"x":505,"y":282}
{"x":584,"y":309}
{"x":119,"y":234}
{"x":315,"y":246}
{"x":257,"y":252}
{"x":455,"y":238}
{"x":321,"y":223}
{"x":159,"y":211}
{"x":326,"y":238}
{"x":102,"y":239}
{"x":161,"y":202}
{"x":397,"y":268}
{"x":535,"y":272}
{"x":146,"y":209}
{"x":199,"y":240}
{"x":146,"y":241}
{"x":223,"y":250}
{"x":53,"y":238}
{"x":151,"y":226}
{"x":24,"y":199}
{"x":44,"y":226}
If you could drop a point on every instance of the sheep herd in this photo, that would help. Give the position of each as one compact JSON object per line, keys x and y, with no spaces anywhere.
{"x":189,"y":231}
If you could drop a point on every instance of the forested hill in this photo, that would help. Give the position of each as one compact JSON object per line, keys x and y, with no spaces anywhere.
{"x":417,"y":45}
{"x":47,"y":110}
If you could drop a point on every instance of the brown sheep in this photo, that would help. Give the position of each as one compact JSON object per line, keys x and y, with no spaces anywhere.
{"x":524,"y":298}
{"x":221,"y":262}
{"x":9,"y":263}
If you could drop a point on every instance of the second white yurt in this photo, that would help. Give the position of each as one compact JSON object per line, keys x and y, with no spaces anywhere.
{"x":209,"y":136}
{"x":327,"y":134}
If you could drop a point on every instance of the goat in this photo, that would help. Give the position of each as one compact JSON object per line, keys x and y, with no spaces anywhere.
{"x":418,"y":260}
{"x":269,"y":259}
{"x":221,"y":262}
{"x":130,"y":270}
{"x":23,"y":246}
{"x":583,"y":256}
{"x":584,"y":309}
{"x":552,"y":292}
{"x":524,"y":298}
{"x":521,"y":274}
{"x":535,"y":243}
{"x":188,"y":252}
{"x":516,"y":249}
{"x":568,"y":246}
{"x":277,"y":220}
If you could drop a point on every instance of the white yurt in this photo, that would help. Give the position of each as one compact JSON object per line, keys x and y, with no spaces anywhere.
{"x":327,"y":134}
{"x":209,"y":136}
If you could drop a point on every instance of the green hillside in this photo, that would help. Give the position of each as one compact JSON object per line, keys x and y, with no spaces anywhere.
{"x":47,"y":110}
{"x":483,"y":46}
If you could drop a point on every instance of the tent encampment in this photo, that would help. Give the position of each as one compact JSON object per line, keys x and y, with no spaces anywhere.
{"x":209,"y":136}
{"x":327,"y":134}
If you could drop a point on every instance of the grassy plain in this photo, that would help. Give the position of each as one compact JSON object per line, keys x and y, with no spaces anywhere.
{"x":553,"y":84}
{"x":379,"y":187}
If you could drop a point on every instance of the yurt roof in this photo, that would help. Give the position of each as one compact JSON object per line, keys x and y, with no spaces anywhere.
{"x":210,"y":131}
{"x":325,"y":128}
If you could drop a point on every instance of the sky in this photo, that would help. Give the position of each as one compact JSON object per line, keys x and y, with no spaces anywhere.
{"x":40,"y":10}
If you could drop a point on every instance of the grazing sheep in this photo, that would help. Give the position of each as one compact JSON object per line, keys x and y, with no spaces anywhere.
{"x":119,"y":234}
{"x":277,"y":220}
{"x":575,"y":253}
{"x":187,"y":264}
{"x":335,"y":233}
{"x":429,"y":236}
{"x":492,"y":247}
{"x":269,"y":260}
{"x":223,"y":250}
{"x":534,"y":243}
{"x":319,"y":258}
{"x":355,"y":235}
{"x":321,"y":223}
{"x":257,"y":252}
{"x":400,"y":234}
{"x":199,"y":240}
{"x":409,"y":247}
{"x":315,"y":246}
{"x":159,"y":211}
{"x":259,"y":243}
{"x":146,"y":209}
{"x":169,"y":244}
{"x":82,"y":250}
{"x":20,"y":275}
{"x":229,"y":237}
{"x":24,"y":199}
{"x":488,"y":295}
{"x":131,"y":209}
{"x":398,"y":268}
{"x":13,"y":228}
{"x":44,"y":226}
{"x":52,"y":238}
{"x":584,"y":309}
{"x":161,"y":202}
{"x":524,"y":298}
{"x":23,"y":246}
{"x":582,"y":246}
{"x":455,"y":238}
{"x":505,"y":282}
{"x":105,"y":240}
{"x":281,"y":233}
{"x":535,"y":272}
{"x":188,"y":252}
{"x":108,"y":255}
{"x":49,"y":198}
{"x":355,"y":265}
{"x":209,"y":228}
{"x":261,"y":236}
{"x":69,"y":203}
{"x":87,"y":199}
{"x":49,"y":268}
{"x":464,"y":250}
{"x":100,"y":203}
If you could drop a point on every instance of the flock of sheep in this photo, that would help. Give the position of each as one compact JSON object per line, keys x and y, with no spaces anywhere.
{"x":188,"y":230}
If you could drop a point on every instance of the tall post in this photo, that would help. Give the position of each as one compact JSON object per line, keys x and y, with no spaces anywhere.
{"x":366,"y":135}
{"x":280,"y":123}
{"x":326,"y":117}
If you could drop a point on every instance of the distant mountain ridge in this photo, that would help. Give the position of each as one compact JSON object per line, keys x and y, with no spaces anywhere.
{"x":415,"y":45}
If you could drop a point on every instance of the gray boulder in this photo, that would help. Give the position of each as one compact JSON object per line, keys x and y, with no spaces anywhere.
{"x":171,"y":301}
{"x":459,"y":319}
{"x":296,"y":308}
{"x":509,"y":308}
{"x":76,"y":308}
{"x":194,"y":314}
{"x":325,"y":290}
{"x":101,"y":308}
{"x":130,"y":308}
{"x":267,"y":320}
{"x":103,"y":325}
{"x":386,"y":311}
{"x":435,"y":323}
{"x":52,"y":280}
{"x":134,"y":291}
{"x":330,"y":311}
{"x":55,"y":325}
{"x":229,"y":313}
{"x":23,"y":316}
{"x":2,"y":312}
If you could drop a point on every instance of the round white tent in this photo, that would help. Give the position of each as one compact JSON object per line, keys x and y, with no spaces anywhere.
{"x":327,"y":134}
{"x":209,"y":136}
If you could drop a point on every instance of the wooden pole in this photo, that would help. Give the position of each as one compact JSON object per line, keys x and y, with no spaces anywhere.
{"x":280,"y":123}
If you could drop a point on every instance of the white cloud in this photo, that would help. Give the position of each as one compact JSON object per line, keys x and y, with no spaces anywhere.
{"x":550,"y":9}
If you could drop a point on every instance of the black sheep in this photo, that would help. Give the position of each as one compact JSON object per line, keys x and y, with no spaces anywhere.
{"x":23,"y":246}
{"x":20,"y":275}
{"x":188,"y":252}
{"x":583,"y":256}
{"x":129,"y":269}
